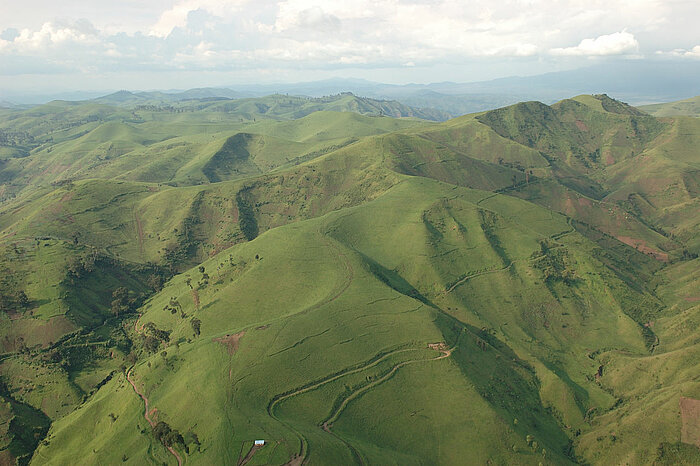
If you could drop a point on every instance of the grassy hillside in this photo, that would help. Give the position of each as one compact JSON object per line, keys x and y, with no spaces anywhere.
{"x":515,"y":286}
{"x":183,"y":149}
{"x":688,"y":107}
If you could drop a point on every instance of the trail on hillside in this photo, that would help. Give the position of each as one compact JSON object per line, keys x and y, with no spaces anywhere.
{"x":469,"y":277}
{"x":139,"y":230}
{"x":250,"y":454}
{"x":328,"y":423}
{"x":277,"y":399}
{"x":147,"y":414}
{"x":350,"y":274}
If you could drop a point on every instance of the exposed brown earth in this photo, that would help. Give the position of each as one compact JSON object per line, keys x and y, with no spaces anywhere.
{"x":641,"y":246}
{"x":690,"y":417}
{"x":231,"y":342}
{"x":250,"y":454}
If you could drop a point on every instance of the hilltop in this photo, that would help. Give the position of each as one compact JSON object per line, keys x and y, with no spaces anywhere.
{"x":513,"y":286}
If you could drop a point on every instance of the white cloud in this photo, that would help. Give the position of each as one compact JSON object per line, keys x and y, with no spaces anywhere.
{"x":617,"y":43}
{"x":683,"y":53}
{"x":227,"y":35}
{"x":177,"y":15}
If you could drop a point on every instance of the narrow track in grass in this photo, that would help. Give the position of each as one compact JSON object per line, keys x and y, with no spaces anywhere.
{"x":328,"y":423}
{"x":469,"y":277}
{"x":350,"y":275}
{"x":277,"y":399}
{"x":147,"y":414}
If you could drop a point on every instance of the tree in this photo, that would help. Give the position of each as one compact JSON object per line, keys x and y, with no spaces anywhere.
{"x":155,"y":282}
{"x":196,"y":326}
{"x":21,"y":299}
{"x":120,"y":301}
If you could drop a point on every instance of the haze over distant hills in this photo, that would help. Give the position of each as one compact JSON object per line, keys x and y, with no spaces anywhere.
{"x":636,"y":82}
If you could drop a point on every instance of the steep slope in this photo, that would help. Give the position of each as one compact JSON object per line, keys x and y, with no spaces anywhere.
{"x":597,"y":160}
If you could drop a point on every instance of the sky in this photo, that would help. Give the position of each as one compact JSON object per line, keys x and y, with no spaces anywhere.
{"x":49,"y":45}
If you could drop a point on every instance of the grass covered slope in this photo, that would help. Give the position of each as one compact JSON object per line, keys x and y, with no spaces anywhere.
{"x":688,"y":107}
{"x":317,"y":358}
{"x":354,"y":288}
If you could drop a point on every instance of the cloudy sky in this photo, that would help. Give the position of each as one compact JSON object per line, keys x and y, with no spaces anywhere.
{"x":48,"y":45}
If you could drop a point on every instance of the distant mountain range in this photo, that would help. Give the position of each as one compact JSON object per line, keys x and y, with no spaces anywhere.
{"x":637,"y":82}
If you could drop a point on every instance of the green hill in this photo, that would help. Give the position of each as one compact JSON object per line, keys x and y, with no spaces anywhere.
{"x":514,"y":287}
{"x":688,"y":107}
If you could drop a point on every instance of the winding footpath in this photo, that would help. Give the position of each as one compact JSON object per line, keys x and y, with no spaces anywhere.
{"x":147,"y":414}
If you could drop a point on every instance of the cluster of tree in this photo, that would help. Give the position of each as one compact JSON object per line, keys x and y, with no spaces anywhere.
{"x":159,"y":108}
{"x":246,"y":216}
{"x":153,"y":336}
{"x":155,"y":281}
{"x":13,"y":301}
{"x":174,"y":306}
{"x":554,"y":263}
{"x":15,"y":138}
{"x":205,"y":277}
{"x":168,"y":437}
{"x":196,"y":326}
{"x":122,"y":303}
{"x":80,"y":266}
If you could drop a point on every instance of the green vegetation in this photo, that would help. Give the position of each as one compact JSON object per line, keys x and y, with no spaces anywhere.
{"x":688,"y":107}
{"x":180,"y":278}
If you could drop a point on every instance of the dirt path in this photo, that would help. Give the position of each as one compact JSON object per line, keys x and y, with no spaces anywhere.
{"x":250,"y":454}
{"x":469,"y":277}
{"x":690,"y":417}
{"x":373,"y":362}
{"x":445,"y":353}
{"x":326,"y":425}
{"x":148,"y":413}
{"x":139,"y":231}
{"x":299,"y":458}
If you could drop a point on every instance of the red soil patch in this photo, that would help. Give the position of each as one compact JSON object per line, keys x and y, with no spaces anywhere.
{"x":231,"y":342}
{"x":584,"y":202}
{"x":692,"y":299}
{"x":139,"y":231}
{"x":442,"y":346}
{"x":581,"y":125}
{"x":641,"y":246}
{"x":609,"y":160}
{"x":195,"y":298}
{"x":6,"y":458}
{"x":690,"y":416}
{"x":569,"y":208}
